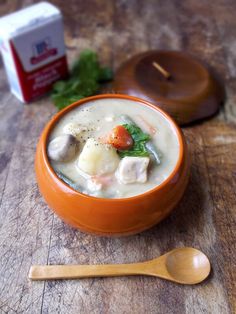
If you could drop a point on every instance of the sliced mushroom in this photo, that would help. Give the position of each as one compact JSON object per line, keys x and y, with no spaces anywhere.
{"x":62,"y":148}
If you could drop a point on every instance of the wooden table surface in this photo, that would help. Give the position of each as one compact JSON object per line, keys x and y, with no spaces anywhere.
{"x":31,"y":234}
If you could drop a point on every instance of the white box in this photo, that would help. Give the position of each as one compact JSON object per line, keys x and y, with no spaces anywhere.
{"x":33,"y":50}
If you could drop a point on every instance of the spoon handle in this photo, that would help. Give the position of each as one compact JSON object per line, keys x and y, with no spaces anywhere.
{"x":48,"y":272}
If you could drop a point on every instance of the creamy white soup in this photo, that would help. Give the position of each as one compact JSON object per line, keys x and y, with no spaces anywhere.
{"x":113,"y":148}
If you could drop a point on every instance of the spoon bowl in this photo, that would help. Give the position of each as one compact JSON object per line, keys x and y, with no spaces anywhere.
{"x":187,"y":265}
{"x":183,"y":265}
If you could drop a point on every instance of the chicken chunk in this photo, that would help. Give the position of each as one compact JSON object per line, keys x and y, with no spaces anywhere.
{"x":132,"y":170}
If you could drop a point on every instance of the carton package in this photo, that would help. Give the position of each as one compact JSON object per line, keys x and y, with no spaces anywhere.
{"x":33,"y":50}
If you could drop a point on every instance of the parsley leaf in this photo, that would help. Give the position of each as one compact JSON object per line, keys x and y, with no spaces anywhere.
{"x":86,"y":74}
{"x":140,"y":138}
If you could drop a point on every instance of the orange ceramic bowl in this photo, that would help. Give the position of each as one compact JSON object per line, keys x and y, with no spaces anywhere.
{"x":110,"y":216}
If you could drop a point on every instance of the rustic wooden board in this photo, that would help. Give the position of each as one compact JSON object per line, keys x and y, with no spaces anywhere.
{"x":206,"y":217}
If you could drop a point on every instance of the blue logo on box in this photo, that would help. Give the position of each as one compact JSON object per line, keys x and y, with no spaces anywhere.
{"x":42,"y":50}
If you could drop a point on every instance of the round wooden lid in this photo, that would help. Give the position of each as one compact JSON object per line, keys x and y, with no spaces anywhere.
{"x":174,"y":81}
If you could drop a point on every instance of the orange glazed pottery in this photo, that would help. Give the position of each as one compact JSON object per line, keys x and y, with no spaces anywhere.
{"x":110,"y":216}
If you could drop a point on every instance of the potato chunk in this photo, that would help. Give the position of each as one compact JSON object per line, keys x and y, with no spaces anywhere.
{"x":132,"y":170}
{"x":97,"y":158}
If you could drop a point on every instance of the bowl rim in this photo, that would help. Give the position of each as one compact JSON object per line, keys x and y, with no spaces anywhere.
{"x":61,"y":113}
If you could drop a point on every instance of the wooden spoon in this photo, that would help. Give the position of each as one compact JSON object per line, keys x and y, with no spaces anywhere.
{"x":183,"y":265}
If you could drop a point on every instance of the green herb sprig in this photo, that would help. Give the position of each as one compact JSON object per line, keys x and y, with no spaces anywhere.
{"x":85,"y":78}
{"x":140,"y":139}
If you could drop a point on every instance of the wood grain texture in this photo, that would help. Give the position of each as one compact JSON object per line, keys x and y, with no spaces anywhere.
{"x":205,"y":218}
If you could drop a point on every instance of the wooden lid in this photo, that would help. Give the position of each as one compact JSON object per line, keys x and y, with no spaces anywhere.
{"x":190,"y":93}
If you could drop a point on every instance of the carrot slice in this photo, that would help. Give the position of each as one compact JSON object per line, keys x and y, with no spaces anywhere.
{"x":146,"y":125}
{"x":120,"y":138}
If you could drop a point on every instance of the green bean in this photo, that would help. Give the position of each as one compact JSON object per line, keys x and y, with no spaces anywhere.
{"x":69,"y":182}
{"x":127,"y":119}
{"x":152,"y":150}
